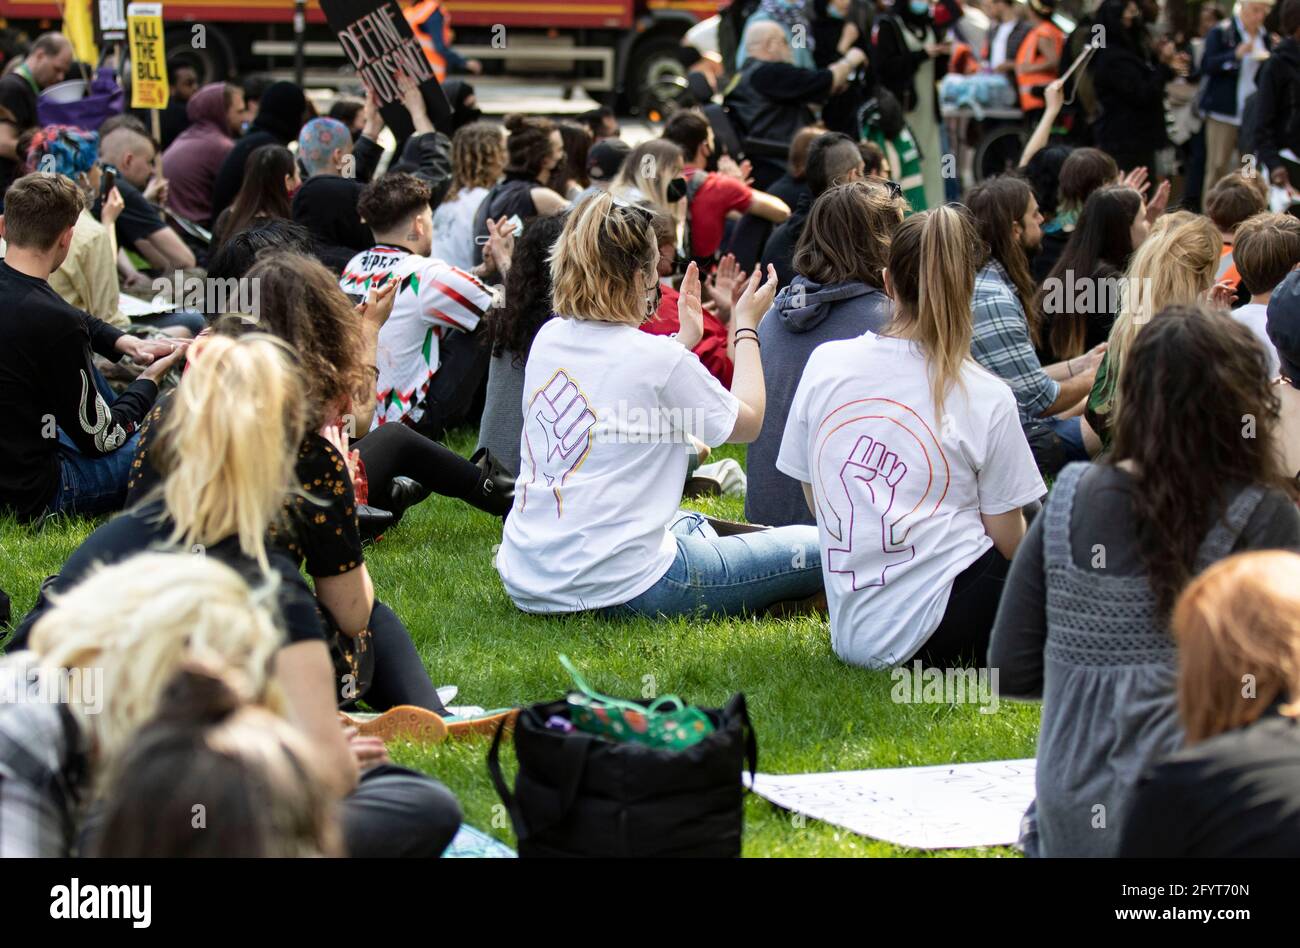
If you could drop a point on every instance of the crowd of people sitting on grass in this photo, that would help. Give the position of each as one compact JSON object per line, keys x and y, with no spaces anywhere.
{"x":1054,"y":428}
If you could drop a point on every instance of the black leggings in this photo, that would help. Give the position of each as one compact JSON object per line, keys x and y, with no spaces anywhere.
{"x":394,"y":450}
{"x":399,"y":676}
{"x":962,"y":637}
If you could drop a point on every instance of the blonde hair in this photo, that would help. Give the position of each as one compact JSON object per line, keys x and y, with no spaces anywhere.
{"x":1239,"y":618}
{"x":602,"y":262}
{"x":138,"y":621}
{"x":226,"y":449}
{"x":478,"y":156}
{"x":932,"y":261}
{"x":645,"y":175}
{"x":1172,"y":267}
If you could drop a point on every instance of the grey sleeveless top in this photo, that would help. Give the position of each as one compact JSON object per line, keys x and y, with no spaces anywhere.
{"x":1109,"y":669}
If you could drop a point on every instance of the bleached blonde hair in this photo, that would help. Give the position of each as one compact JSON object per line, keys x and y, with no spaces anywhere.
{"x":136,"y":623}
{"x":603,"y":263}
{"x":227,"y":447}
{"x":1172,"y":267}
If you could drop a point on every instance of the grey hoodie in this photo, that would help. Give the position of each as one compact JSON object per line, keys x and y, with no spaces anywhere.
{"x":803,"y":316}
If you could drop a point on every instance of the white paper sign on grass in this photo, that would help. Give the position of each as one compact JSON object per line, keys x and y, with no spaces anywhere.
{"x":952,"y":806}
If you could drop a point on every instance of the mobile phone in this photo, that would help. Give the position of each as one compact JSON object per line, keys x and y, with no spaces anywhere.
{"x":107,"y":182}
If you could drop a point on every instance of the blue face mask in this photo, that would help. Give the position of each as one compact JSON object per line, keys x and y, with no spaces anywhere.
{"x":918,"y":7}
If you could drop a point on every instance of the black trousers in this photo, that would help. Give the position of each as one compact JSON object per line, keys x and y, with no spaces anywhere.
{"x":398,"y":813}
{"x":399,"y":676}
{"x":457,"y":391}
{"x":395,"y":450}
{"x":962,"y":637}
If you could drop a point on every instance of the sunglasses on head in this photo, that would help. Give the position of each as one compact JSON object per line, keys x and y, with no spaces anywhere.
{"x":643,"y":213}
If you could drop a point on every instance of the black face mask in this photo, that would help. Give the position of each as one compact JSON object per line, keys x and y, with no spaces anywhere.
{"x":676,"y":190}
{"x":463,"y":116}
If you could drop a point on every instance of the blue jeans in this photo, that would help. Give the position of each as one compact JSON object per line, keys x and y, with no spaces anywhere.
{"x":90,"y":486}
{"x":728,"y":576}
{"x":1071,"y":434}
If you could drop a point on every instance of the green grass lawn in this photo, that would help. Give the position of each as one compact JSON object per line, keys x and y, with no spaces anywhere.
{"x":810,"y":710}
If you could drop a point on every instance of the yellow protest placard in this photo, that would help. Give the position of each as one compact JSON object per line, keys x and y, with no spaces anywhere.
{"x":144,"y":29}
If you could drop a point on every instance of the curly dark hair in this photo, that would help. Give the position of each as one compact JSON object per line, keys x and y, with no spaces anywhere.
{"x":392,"y":200}
{"x":1198,"y":421}
{"x":302,"y":304}
{"x":512,"y":326}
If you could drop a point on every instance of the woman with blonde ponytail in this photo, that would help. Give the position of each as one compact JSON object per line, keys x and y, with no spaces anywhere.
{"x":226,"y":450}
{"x":1174,"y":266}
{"x":913,"y":460}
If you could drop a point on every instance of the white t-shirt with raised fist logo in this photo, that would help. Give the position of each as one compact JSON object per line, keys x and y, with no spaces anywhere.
{"x":898,"y":490}
{"x":608,"y":416}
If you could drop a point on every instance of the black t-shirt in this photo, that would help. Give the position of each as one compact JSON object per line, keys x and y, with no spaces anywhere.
{"x":147,"y":528}
{"x":47,"y":379}
{"x":18,"y":96}
{"x":319,"y":531}
{"x":139,"y":219}
{"x":1236,"y":794}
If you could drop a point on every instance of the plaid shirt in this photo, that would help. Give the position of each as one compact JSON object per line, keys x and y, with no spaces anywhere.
{"x":37,"y":802}
{"x":1000,"y":342}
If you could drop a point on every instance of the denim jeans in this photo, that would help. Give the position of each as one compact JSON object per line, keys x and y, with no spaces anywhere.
{"x":90,"y":486}
{"x":1070,"y":431}
{"x":727,"y":576}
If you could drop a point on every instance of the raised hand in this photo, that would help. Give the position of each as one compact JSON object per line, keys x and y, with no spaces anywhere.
{"x":1137,"y":180}
{"x":1159,"y":201}
{"x":500,"y":247}
{"x":870,"y":477}
{"x":756,"y":300}
{"x":690,"y":313}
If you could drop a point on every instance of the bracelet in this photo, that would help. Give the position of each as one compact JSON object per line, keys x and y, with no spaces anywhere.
{"x":1069,"y":367}
{"x":754,"y":332}
{"x":753,"y":337}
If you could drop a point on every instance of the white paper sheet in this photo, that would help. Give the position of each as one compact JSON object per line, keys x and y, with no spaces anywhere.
{"x":132,"y":307}
{"x":952,"y":806}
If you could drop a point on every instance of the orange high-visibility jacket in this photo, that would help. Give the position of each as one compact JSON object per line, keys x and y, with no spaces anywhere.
{"x":425,"y":16}
{"x":1032,"y":82}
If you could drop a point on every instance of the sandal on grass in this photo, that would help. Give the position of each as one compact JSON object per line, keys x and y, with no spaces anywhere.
{"x":421,"y":726}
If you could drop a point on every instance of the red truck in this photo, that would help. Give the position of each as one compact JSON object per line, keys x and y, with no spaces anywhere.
{"x":618,"y":50}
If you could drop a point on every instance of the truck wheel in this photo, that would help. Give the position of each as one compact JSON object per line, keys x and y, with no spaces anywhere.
{"x":656,"y":76}
{"x":212,"y":61}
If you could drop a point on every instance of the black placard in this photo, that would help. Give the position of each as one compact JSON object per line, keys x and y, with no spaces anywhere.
{"x":379,"y":44}
{"x":110,"y":21}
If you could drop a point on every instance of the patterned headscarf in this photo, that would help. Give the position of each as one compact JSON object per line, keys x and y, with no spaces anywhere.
{"x":789,"y":13}
{"x":63,"y":149}
{"x":319,"y":138}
